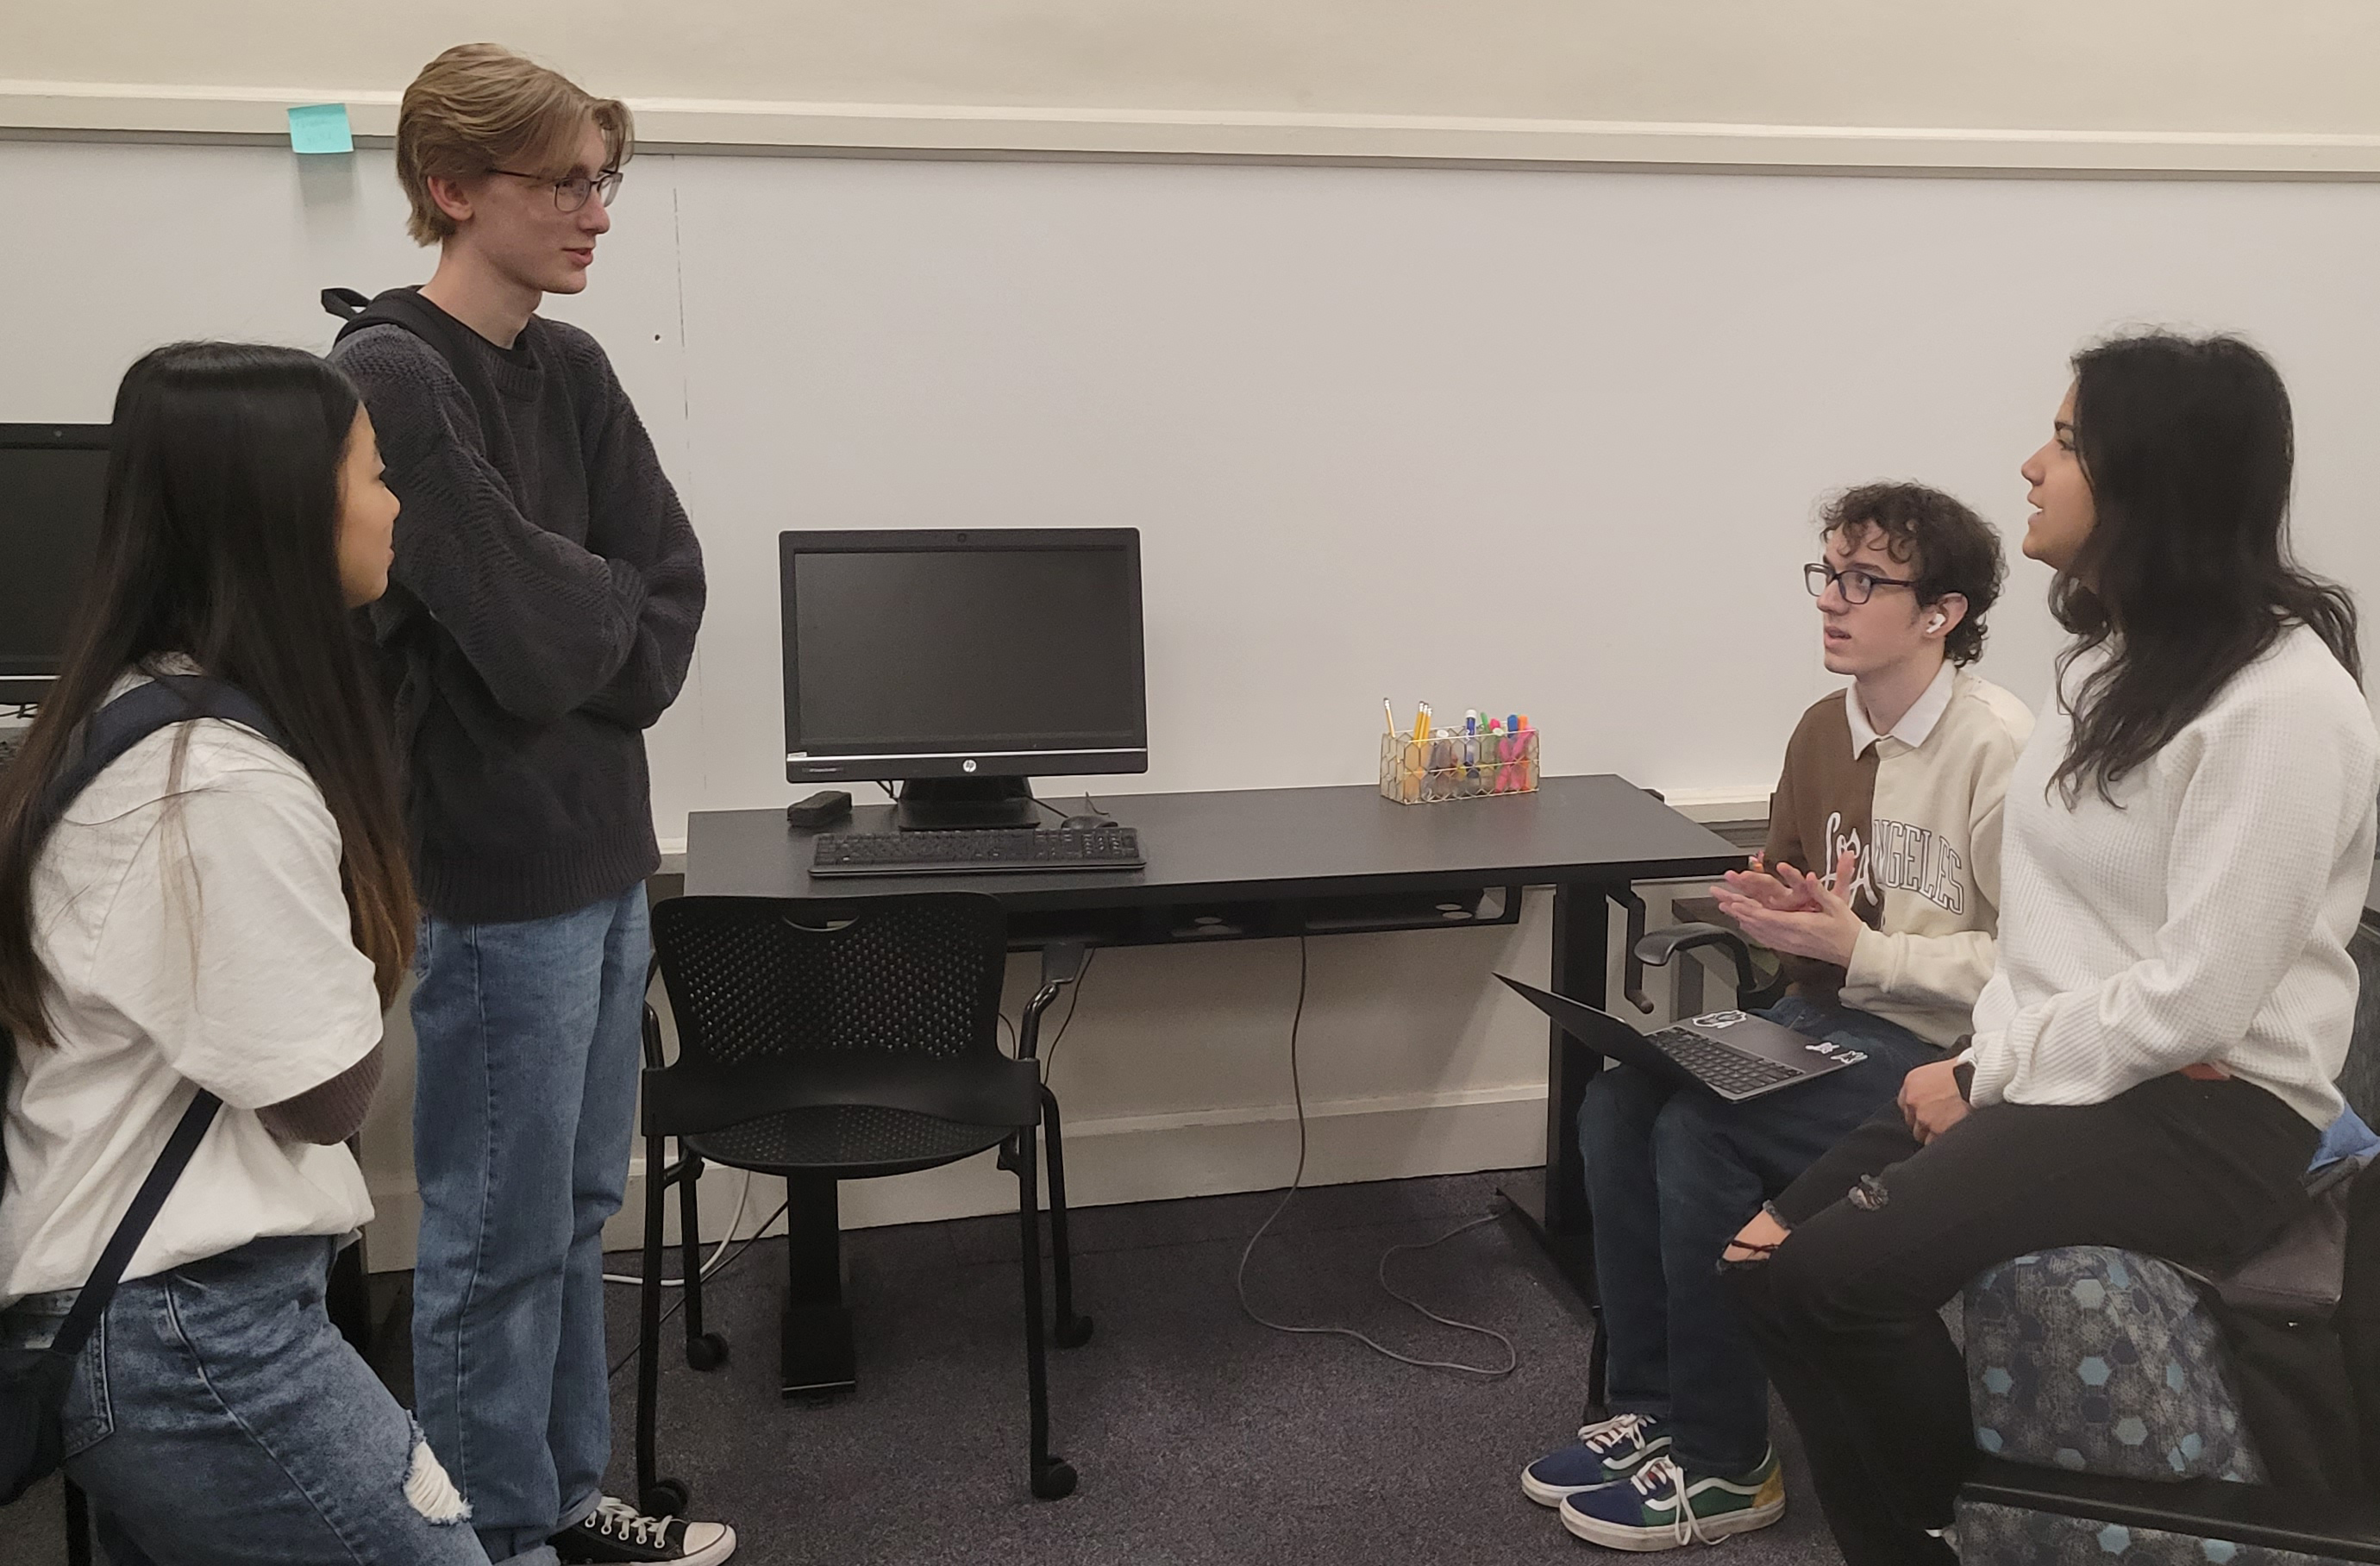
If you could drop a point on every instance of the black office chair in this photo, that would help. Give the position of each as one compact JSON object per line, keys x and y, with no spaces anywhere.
{"x":825,"y":1042}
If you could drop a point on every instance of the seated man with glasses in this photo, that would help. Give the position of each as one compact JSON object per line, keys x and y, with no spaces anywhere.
{"x":1879,"y":886}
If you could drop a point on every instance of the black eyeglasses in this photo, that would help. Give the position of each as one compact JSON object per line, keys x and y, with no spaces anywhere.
{"x":571,"y":194}
{"x":1857,"y":586}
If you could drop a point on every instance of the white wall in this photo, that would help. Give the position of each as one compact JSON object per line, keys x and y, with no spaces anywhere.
{"x":1541,"y":440}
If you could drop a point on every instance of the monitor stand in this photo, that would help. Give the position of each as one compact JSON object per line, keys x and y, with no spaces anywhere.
{"x":949,"y":804}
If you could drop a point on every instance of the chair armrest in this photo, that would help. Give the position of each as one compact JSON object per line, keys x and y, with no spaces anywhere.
{"x":653,"y":1060}
{"x":1062,"y":961}
{"x":1062,"y":965}
{"x":1658,"y":946}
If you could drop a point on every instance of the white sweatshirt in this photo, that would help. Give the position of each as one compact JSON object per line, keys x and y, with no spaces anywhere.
{"x":2204,"y":916}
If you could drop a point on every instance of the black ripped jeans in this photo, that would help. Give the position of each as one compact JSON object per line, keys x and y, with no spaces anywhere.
{"x":1844,"y":1316}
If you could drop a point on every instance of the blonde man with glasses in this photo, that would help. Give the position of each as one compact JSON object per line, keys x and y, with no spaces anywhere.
{"x":541,"y":615}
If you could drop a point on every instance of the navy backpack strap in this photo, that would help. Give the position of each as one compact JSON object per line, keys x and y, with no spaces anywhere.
{"x":133,"y":717}
{"x":115,"y":728}
{"x":100,"y":1288}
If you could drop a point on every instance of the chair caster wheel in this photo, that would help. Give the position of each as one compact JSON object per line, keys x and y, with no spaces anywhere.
{"x":667,"y":1497}
{"x":1055,"y":1482}
{"x":1075,"y":1332}
{"x":705,"y":1353}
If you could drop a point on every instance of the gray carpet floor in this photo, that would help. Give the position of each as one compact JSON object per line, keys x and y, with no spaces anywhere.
{"x":1199,"y":1436}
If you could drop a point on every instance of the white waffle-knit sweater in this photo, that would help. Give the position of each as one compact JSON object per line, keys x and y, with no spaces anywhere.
{"x":2204,"y":916}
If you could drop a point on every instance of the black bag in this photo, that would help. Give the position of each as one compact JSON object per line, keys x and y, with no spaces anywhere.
{"x":34,"y":1382}
{"x":2359,"y":1314}
{"x":2288,"y":1315}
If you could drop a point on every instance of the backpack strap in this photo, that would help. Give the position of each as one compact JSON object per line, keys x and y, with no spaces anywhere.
{"x":405,"y":308}
{"x":115,"y":728}
{"x":100,"y":1287}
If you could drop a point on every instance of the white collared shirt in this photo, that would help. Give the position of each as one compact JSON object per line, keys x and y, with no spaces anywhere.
{"x":1915,"y":724}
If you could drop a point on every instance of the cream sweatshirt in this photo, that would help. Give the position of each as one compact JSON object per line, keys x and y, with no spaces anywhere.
{"x":1919,"y":808}
{"x":2203,"y":917}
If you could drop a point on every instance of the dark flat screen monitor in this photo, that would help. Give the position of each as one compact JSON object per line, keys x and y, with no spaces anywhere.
{"x":985,"y":654}
{"x":53,"y":488}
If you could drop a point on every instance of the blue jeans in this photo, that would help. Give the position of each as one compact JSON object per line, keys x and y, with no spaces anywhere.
{"x":1671,"y":1175}
{"x":523,"y":1113}
{"x":219,"y":1419}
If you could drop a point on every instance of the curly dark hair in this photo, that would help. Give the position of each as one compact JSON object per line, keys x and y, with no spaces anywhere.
{"x":1953,"y":549}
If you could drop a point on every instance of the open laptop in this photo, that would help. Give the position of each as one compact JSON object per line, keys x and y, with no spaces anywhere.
{"x":1734,"y":1055}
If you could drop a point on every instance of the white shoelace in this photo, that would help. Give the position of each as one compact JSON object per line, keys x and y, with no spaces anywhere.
{"x":624,"y":1521}
{"x":1620,"y":1428}
{"x":1647,"y":1482}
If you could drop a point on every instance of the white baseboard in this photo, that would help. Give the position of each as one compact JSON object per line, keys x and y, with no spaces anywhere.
{"x":1127,"y":1158}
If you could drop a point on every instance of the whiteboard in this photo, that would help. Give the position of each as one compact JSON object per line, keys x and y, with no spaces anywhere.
{"x":1545,"y":441}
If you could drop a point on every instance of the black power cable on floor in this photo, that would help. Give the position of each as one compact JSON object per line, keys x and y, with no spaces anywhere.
{"x":1240,"y":1278}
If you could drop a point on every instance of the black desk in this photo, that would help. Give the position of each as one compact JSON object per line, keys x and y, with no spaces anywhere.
{"x":1255,"y":864}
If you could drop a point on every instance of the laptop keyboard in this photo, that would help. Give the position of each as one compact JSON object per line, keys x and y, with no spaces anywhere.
{"x":1729,"y":1070}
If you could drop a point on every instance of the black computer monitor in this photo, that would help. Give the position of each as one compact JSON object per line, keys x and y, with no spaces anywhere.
{"x":53,"y":488}
{"x":962,"y":664}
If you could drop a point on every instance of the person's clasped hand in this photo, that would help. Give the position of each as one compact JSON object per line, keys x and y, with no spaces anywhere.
{"x":1789,"y":911}
{"x":1932,"y":1101}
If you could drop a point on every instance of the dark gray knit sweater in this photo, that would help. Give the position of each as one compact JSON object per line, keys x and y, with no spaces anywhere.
{"x":541,"y":617}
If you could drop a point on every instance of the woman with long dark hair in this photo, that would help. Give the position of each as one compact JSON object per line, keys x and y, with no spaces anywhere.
{"x":217,"y":911}
{"x":2188,"y":840}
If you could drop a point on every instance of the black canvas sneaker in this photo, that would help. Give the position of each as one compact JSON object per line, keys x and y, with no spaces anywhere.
{"x":616,"y":1532}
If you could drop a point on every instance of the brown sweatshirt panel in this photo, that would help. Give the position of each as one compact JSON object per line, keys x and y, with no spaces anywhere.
{"x":1824,"y":807}
{"x":329,"y":1113}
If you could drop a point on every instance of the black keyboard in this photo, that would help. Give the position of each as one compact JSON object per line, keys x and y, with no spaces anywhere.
{"x":1727,"y":1069}
{"x":983,"y":851}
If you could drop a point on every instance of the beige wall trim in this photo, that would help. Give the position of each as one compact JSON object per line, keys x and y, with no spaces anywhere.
{"x":101,"y":110}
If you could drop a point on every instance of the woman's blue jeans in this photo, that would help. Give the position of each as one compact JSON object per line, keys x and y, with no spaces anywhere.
{"x":219,"y":1419}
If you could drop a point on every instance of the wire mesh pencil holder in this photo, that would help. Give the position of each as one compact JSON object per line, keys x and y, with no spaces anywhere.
{"x":1457,"y":765}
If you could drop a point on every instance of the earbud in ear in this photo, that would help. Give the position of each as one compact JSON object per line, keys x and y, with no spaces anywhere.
{"x":1935,"y":624}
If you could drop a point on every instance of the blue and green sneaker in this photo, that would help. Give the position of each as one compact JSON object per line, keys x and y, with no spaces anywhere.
{"x":1661,"y":1506}
{"x":1605,"y":1453}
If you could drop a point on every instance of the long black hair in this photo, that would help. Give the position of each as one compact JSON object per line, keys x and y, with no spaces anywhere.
{"x":2188,"y":447}
{"x":220,"y":543}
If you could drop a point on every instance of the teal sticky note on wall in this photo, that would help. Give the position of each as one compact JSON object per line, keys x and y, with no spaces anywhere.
{"x":320,"y":127}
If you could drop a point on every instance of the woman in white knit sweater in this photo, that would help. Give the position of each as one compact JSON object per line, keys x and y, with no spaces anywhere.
{"x":2188,"y":841}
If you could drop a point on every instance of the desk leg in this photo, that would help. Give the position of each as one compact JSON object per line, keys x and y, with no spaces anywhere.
{"x":818,"y":1359}
{"x":1555,"y":1209}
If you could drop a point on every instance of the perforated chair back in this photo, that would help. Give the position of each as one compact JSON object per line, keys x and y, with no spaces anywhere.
{"x":786,"y":1004}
